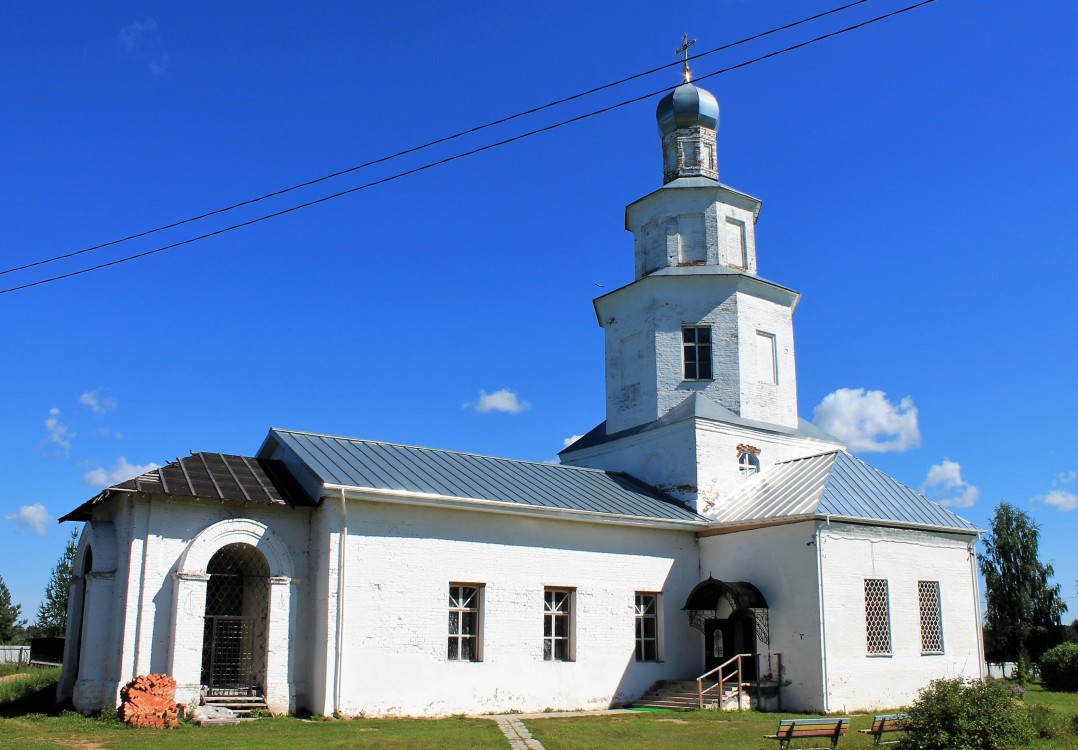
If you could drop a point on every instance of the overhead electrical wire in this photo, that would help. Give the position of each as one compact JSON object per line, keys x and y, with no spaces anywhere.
{"x":428,"y":144}
{"x":439,"y":162}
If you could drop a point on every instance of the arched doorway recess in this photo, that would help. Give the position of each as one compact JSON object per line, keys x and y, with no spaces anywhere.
{"x":237,"y":610}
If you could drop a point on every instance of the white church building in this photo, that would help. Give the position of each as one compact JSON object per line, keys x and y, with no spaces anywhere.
{"x":702,"y":520}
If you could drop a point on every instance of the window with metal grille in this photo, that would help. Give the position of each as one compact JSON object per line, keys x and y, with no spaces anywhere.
{"x":464,"y":602}
{"x":647,"y":627}
{"x":928,"y":593}
{"x":877,"y":617}
{"x":696,"y":346}
{"x":557,"y":625}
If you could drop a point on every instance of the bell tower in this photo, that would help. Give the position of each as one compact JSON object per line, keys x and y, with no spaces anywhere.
{"x":701,"y":378}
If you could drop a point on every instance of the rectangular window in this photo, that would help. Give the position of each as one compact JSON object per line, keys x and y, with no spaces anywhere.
{"x":877,"y":617}
{"x":647,"y":627}
{"x":557,"y":625}
{"x":766,"y":360}
{"x":928,"y":592}
{"x":464,"y":610}
{"x":696,"y":344}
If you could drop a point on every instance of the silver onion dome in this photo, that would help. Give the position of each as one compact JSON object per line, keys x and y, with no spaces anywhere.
{"x":685,"y":107}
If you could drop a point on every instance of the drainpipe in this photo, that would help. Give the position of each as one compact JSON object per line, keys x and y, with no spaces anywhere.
{"x":977,"y":608}
{"x":823,"y":626}
{"x":341,"y":560}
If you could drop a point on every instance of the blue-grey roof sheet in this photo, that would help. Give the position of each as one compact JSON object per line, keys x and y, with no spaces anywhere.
{"x":839,"y":485}
{"x":369,"y":464}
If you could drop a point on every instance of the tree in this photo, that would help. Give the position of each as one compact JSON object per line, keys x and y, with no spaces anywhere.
{"x":52,"y":614}
{"x":12,"y":629}
{"x":1023,"y":609}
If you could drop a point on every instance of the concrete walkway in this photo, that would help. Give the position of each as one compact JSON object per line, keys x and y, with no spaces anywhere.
{"x":512,"y":725}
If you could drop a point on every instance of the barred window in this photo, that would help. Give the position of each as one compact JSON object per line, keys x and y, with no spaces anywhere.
{"x":928,"y":592}
{"x":696,"y":343}
{"x":464,"y":604}
{"x":877,"y":617}
{"x":557,"y":625}
{"x":647,"y":627}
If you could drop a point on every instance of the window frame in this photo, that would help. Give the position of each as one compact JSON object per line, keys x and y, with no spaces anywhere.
{"x":639,"y":619}
{"x":878,"y":617}
{"x":936,"y":609}
{"x":564,"y":615}
{"x":691,"y":356}
{"x":748,"y":464}
{"x":460,"y":607}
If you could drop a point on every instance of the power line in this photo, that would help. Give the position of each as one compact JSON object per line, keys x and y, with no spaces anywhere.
{"x":456,"y":157}
{"x":429,"y":144}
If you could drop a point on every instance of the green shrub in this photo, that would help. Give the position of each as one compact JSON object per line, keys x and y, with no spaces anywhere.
{"x":1047,"y":724}
{"x":1059,"y":668}
{"x":950,"y":715}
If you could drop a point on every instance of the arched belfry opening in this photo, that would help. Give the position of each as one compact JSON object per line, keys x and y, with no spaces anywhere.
{"x":237,"y":608}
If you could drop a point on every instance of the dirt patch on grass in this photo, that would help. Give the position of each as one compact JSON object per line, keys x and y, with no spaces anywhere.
{"x":16,"y":676}
{"x":672,"y":721}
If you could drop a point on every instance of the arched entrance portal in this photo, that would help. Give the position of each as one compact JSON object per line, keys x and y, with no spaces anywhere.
{"x":237,"y":606}
{"x":733,"y":618}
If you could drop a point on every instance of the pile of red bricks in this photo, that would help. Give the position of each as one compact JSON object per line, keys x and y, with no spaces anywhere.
{"x":150,"y":701}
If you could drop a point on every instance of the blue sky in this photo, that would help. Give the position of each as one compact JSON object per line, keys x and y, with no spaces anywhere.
{"x":918,"y":187}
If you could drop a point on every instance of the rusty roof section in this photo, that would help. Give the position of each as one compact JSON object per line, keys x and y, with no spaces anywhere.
{"x":214,"y":476}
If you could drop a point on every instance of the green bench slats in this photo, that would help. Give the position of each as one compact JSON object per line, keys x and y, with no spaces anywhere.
{"x":822,"y":726}
{"x":884,"y":724}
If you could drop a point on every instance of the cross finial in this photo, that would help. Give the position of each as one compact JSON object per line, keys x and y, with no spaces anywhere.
{"x":684,"y":49}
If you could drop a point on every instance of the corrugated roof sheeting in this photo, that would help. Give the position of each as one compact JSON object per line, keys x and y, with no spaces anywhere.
{"x":834,"y":484}
{"x":211,"y":475}
{"x":367,"y":464}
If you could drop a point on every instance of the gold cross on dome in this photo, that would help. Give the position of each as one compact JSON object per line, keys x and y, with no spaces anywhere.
{"x":684,"y":49}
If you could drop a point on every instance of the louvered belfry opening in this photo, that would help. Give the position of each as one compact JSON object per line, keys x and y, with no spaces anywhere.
{"x":237,"y":607}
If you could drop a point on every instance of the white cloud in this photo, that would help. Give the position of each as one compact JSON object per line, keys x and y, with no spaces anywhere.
{"x":1065,"y":501}
{"x":945,"y":479}
{"x":59,"y":432}
{"x":135,"y":34}
{"x":30,"y":517}
{"x":143,"y":42}
{"x":96,"y":403}
{"x":1066,"y":477}
{"x":505,"y":401}
{"x":570,"y":440}
{"x":867,"y":422}
{"x":121,"y":472}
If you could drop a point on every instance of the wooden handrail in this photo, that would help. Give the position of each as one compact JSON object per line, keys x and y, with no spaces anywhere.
{"x":721,"y":684}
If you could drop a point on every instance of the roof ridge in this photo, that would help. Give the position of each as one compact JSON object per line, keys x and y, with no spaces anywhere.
{"x":454,"y":452}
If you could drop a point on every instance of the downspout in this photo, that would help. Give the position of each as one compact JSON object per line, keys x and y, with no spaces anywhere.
{"x":341,"y":560}
{"x":977,"y":608}
{"x":823,"y":621}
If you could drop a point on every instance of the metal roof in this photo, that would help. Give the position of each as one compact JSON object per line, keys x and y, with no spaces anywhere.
{"x":210,"y":475}
{"x":373,"y":465}
{"x":697,"y":405}
{"x":838,"y":485}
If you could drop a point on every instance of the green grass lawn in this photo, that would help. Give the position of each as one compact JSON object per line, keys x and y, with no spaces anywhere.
{"x":28,"y":721}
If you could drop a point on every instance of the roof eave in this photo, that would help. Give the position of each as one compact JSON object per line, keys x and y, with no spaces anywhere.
{"x":500,"y":506}
{"x":726,"y":527}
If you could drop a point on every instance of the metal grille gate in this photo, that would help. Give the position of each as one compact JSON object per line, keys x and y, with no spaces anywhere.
{"x":237,"y":605}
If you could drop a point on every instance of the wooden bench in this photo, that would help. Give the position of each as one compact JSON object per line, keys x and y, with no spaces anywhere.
{"x":884,"y":724}
{"x":822,"y":726}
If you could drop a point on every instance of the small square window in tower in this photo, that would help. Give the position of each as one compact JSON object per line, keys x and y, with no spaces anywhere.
{"x":696,"y":346}
{"x":464,"y":610}
{"x":557,"y":625}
